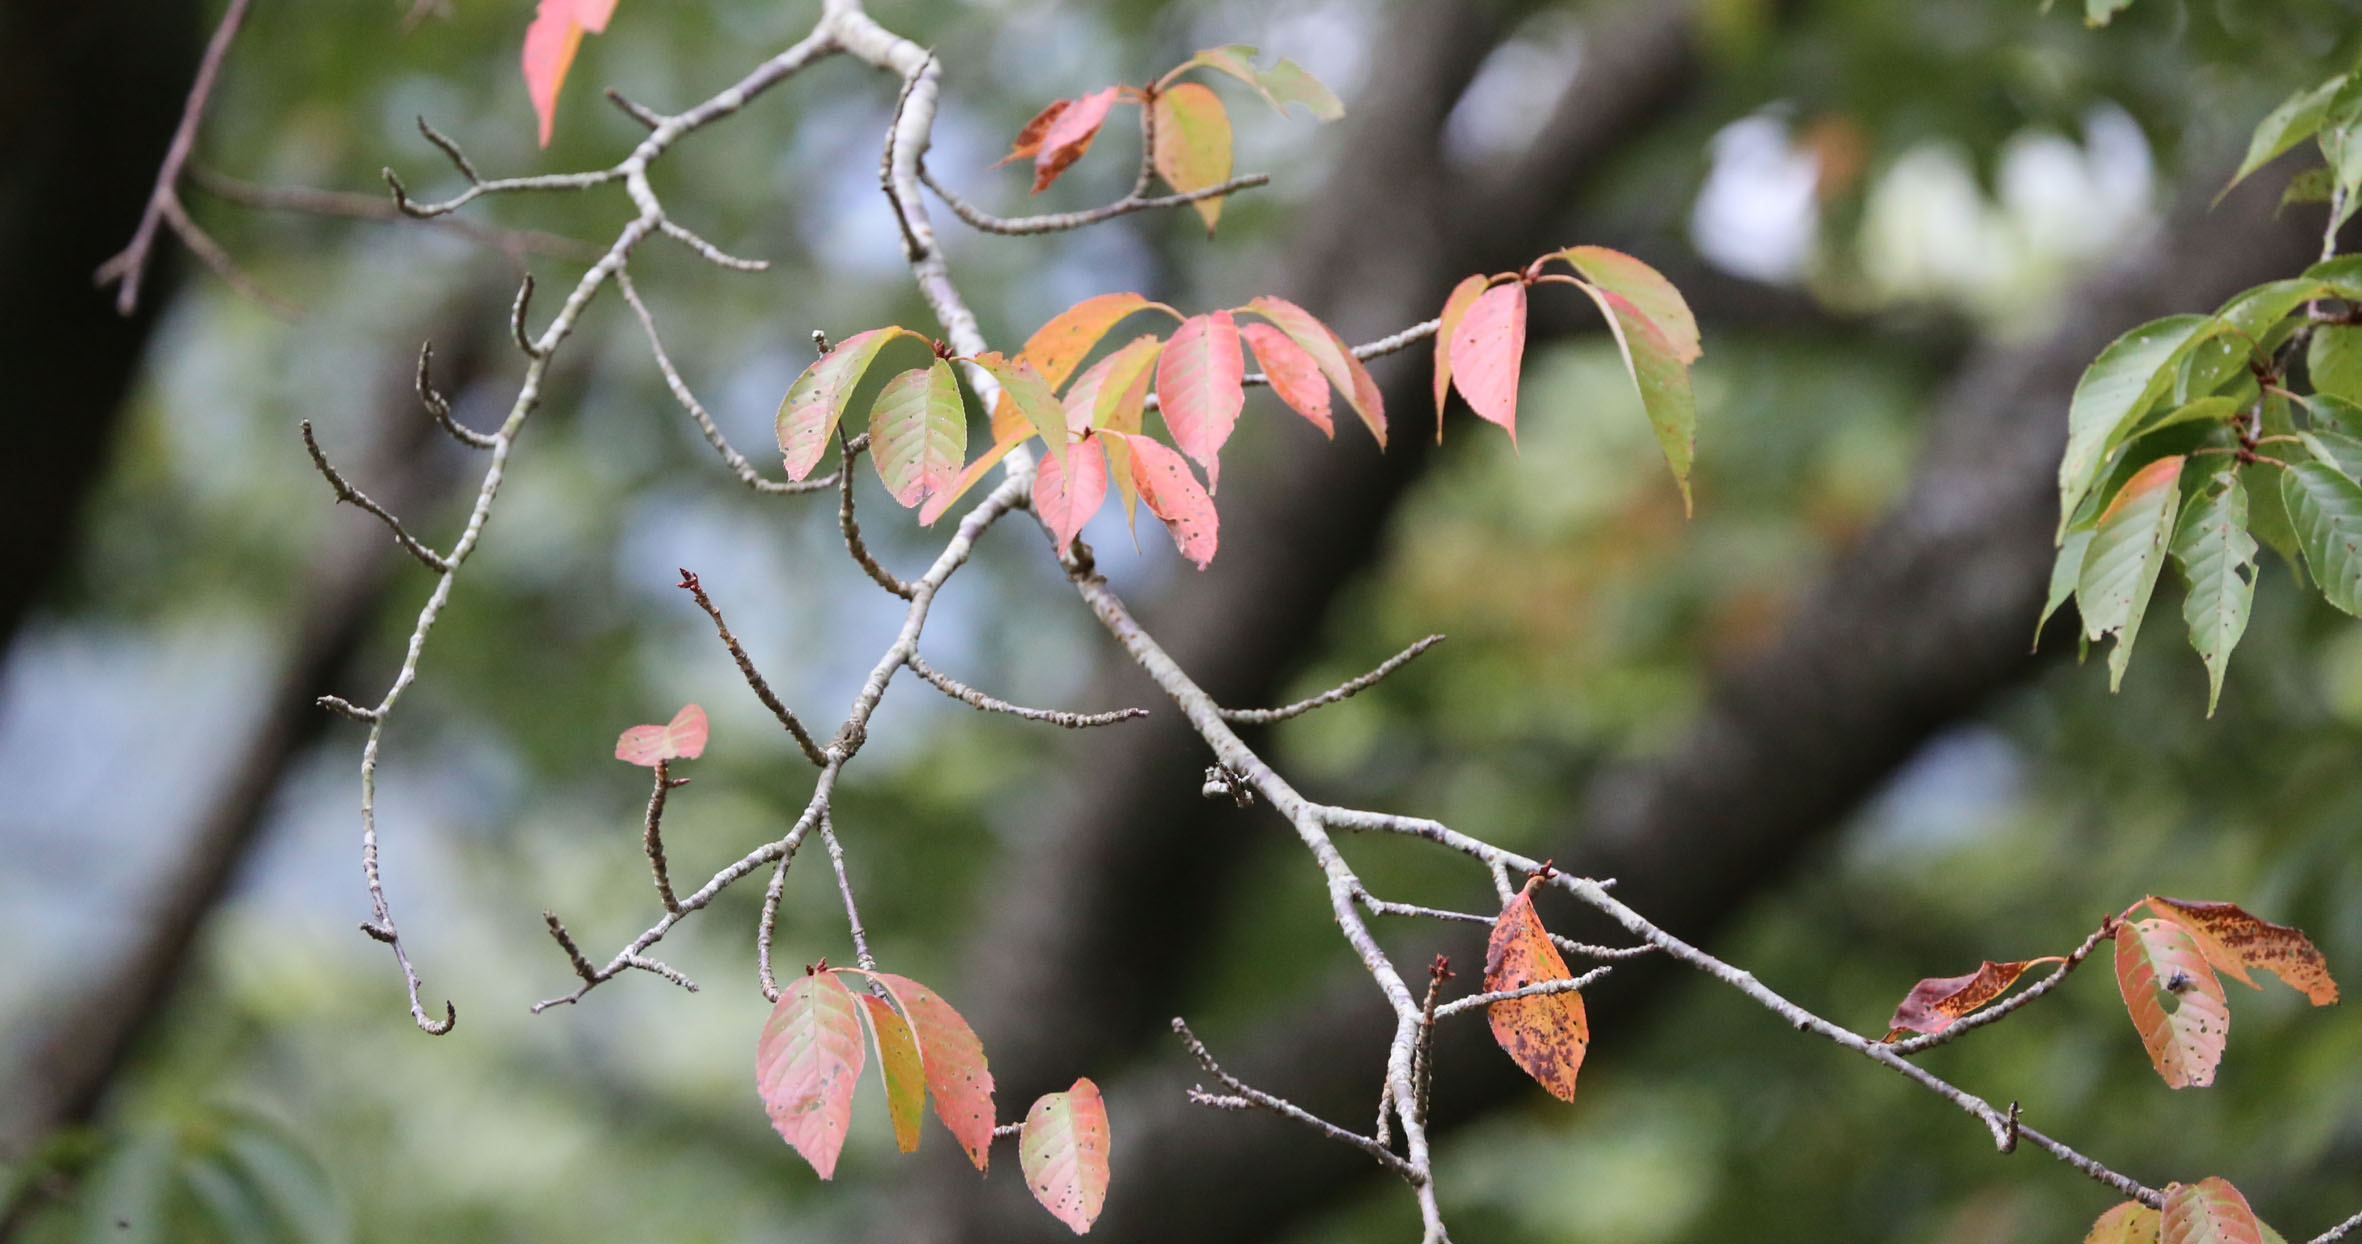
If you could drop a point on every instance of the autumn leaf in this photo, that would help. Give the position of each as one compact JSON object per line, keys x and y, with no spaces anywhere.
{"x":821,"y":397}
{"x":918,"y":433}
{"x":1065,"y":135}
{"x":2174,"y":999}
{"x":683,"y":738}
{"x":1059,"y":345}
{"x":1025,"y":388}
{"x":1646,"y":289}
{"x":1192,"y":148}
{"x":2128,"y":550}
{"x":2234,"y":941}
{"x":1066,"y":494}
{"x":1455,"y":309}
{"x":1063,"y":1146}
{"x":899,"y":1064}
{"x":1113,"y":392}
{"x":550,"y":43}
{"x":1173,"y":495}
{"x":957,"y":1077}
{"x":1335,"y":358}
{"x":1284,"y":83}
{"x":2129,"y":1223}
{"x":806,"y":1064}
{"x":1198,"y":388}
{"x":1545,"y":1034}
{"x":2210,"y":1211}
{"x":1487,"y":348}
{"x":1934,"y":1003}
{"x":1654,"y":362}
{"x":942,"y":501}
{"x":1294,"y":376}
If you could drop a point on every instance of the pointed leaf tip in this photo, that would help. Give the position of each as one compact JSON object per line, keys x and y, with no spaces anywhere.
{"x":957,"y":1077}
{"x":1063,"y":1146}
{"x":551,"y":41}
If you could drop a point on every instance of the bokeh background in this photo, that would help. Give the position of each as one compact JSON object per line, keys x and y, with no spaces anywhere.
{"x":1804,"y":726}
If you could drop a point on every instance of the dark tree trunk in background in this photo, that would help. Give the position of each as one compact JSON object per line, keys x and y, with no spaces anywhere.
{"x":89,"y":93}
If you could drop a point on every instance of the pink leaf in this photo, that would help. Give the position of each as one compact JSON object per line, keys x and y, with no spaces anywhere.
{"x":1335,"y":358}
{"x":806,"y":1064}
{"x":1198,"y":387}
{"x":1487,"y":350}
{"x":550,"y":43}
{"x":681,"y":739}
{"x":1063,"y":1147}
{"x":1069,"y":135}
{"x":1066,"y":494}
{"x":1455,"y":308}
{"x":1173,"y":495}
{"x":1294,"y":376}
{"x":956,"y":1071}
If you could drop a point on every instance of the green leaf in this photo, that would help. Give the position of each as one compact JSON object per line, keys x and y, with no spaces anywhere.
{"x":1031,"y":395}
{"x":2334,"y":360}
{"x":2115,"y":391}
{"x":1654,"y":362}
{"x":2128,"y":549}
{"x":821,"y":397}
{"x":2267,"y":517}
{"x":2309,"y":186}
{"x":2249,"y":324}
{"x":2337,"y":449}
{"x":2216,"y":409}
{"x":897,"y":1049}
{"x":2296,"y":119}
{"x":1192,"y":147}
{"x":2343,"y":275}
{"x":2325,"y":508}
{"x":918,"y":433}
{"x":1644,"y":287}
{"x":1282,"y":84}
{"x":2217,"y":558}
{"x":2064,"y":570}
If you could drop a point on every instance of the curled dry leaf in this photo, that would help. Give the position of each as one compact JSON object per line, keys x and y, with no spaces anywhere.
{"x":1934,"y":1003}
{"x":1066,"y":135}
{"x":2234,"y":941}
{"x":957,"y":1076}
{"x":2175,"y":1000}
{"x":2210,"y":1211}
{"x":806,"y":1064}
{"x":682,"y":738}
{"x":1063,"y":1146}
{"x":1544,"y":1034}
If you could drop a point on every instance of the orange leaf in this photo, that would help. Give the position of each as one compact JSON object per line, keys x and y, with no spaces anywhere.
{"x":954,"y":1058}
{"x":1069,"y":135}
{"x":1063,"y":1147}
{"x":1455,"y":308}
{"x":550,"y":43}
{"x":1029,"y":139}
{"x":898,"y":1063}
{"x":1173,"y":495}
{"x":2210,"y":1211}
{"x":1198,"y":388}
{"x":942,"y":501}
{"x":1056,"y":347}
{"x":2175,"y":1001}
{"x":683,"y":738}
{"x":2129,"y":1223}
{"x":1294,"y":376}
{"x":1192,"y":148}
{"x":1545,"y":1034}
{"x":2235,"y":941}
{"x":806,"y":1064}
{"x":1934,"y":1003}
{"x":1066,"y":494}
{"x":1488,"y":348}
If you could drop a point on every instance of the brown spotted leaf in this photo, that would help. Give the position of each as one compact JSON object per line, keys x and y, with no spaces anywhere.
{"x":1172,"y":493}
{"x":1068,"y":135}
{"x":1934,"y":1003}
{"x":2129,"y":1223}
{"x":2210,"y":1211}
{"x":1063,"y":1147}
{"x":2234,"y":941}
{"x":1544,"y":1034}
{"x":2175,"y":1000}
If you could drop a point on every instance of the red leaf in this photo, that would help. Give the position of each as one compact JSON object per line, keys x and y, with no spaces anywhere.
{"x":1069,"y":135}
{"x":1294,"y":376}
{"x":2174,"y":999}
{"x":1192,"y":143}
{"x":954,"y":1058}
{"x":1173,"y":495}
{"x":1334,"y":356}
{"x":1029,"y":139}
{"x":1063,"y":1147}
{"x":550,"y":43}
{"x":1455,"y":308}
{"x":2234,"y":941}
{"x":1067,"y":494}
{"x":1646,"y":289}
{"x":683,"y":738}
{"x":1544,"y":1034}
{"x":1198,"y":387}
{"x":898,"y":1063}
{"x":806,"y":1064}
{"x":1488,"y":348}
{"x":2210,"y":1211}
{"x":2129,"y":1223}
{"x":1934,"y":1003}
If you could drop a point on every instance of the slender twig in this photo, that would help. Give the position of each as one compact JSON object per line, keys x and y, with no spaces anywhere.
{"x":1261,"y":716}
{"x":1058,"y":222}
{"x":439,"y":407}
{"x":849,"y":448}
{"x":1384,"y":907}
{"x":217,"y":257}
{"x":1244,"y":1096}
{"x":836,"y":859}
{"x":654,"y":838}
{"x":1390,"y":344}
{"x":1536,"y":990}
{"x":313,"y":201}
{"x":346,"y":492}
{"x":557,"y":929}
{"x":708,"y":251}
{"x":1423,"y":1054}
{"x":970,"y":696}
{"x":754,"y":677}
{"x":2338,"y":1232}
{"x":129,"y":266}
{"x":736,"y":461}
